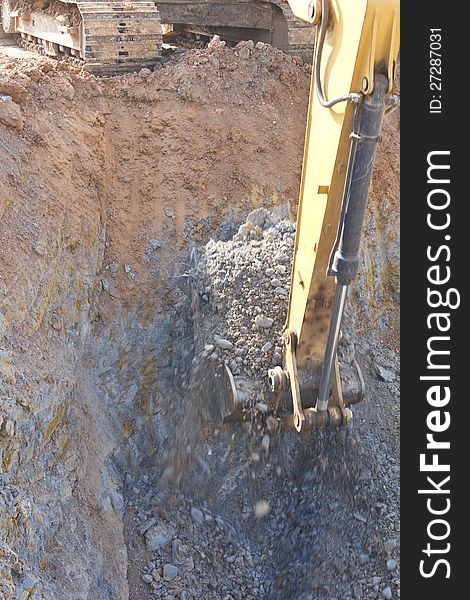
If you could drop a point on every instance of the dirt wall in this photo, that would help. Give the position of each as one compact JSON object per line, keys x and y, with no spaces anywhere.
{"x":104,"y":185}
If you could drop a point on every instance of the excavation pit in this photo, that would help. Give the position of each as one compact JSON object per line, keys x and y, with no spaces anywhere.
{"x":105,"y":186}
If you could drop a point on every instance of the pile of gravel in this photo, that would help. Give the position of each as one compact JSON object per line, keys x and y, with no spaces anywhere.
{"x":241,"y":289}
{"x":240,"y":294}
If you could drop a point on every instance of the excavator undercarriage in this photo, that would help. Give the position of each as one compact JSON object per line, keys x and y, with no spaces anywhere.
{"x":113,"y":36}
{"x":271,"y":22}
{"x":104,"y":37}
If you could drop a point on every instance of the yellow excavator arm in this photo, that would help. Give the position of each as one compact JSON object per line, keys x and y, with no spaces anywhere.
{"x":356,"y":51}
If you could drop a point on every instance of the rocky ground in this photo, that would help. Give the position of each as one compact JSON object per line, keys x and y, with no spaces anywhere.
{"x":105,"y":187}
{"x":271,"y":516}
{"x":242,"y":287}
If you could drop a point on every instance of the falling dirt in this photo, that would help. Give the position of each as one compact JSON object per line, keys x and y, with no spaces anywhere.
{"x":105,"y":186}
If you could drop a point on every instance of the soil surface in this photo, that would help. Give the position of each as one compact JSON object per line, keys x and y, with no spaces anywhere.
{"x":112,"y":486}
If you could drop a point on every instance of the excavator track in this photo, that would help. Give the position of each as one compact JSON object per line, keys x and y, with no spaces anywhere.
{"x":120,"y":35}
{"x":104,"y":37}
{"x":301,"y":35}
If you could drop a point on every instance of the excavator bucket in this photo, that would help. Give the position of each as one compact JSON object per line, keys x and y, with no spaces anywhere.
{"x":226,"y":393}
{"x":223,"y":397}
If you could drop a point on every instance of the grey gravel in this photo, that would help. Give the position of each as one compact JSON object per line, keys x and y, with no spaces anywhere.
{"x":242,"y":310}
{"x":169,"y":572}
{"x":387,"y":593}
{"x":159,"y":536}
{"x":391,"y":564}
{"x":197,"y":515}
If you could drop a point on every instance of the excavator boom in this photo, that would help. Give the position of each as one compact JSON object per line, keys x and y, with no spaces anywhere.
{"x":356,"y":53}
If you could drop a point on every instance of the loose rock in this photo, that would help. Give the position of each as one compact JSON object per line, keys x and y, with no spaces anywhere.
{"x":387,"y":593}
{"x":385,"y":374}
{"x":223,"y":343}
{"x":159,"y":536}
{"x":261,"y":509}
{"x":10,"y":113}
{"x":391,"y":564}
{"x":169,"y":572}
{"x":265,"y":322}
{"x":197,"y":515}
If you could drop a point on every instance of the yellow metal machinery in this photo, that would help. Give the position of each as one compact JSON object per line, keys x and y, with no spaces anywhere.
{"x":103,"y":36}
{"x":108,"y":36}
{"x":356,"y":52}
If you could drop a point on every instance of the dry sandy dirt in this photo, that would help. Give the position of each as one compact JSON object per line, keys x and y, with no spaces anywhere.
{"x":105,"y":186}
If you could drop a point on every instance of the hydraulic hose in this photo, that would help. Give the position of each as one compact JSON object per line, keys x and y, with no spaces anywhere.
{"x":352,"y":97}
